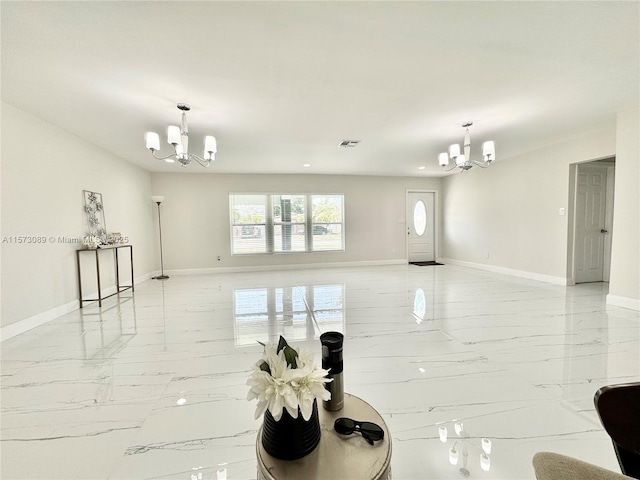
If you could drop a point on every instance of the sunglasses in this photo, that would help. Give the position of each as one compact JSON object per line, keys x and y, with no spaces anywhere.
{"x":370,"y":431}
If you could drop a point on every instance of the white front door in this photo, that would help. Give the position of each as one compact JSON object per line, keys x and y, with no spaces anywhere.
{"x":420,"y":226}
{"x":590,"y":232}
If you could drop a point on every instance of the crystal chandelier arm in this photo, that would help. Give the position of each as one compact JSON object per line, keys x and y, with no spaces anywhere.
{"x":481,"y":164}
{"x":153,"y":152}
{"x":202,"y":162}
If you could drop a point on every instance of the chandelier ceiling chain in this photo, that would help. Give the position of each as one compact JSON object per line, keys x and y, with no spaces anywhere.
{"x":463,"y":160}
{"x":178,"y":137}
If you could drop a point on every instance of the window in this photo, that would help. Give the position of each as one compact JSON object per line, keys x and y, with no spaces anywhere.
{"x":284,"y":223}
{"x":289,"y":223}
{"x":248,"y":223}
{"x":326,"y":226}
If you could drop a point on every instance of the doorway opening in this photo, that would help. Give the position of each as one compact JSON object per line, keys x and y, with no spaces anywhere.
{"x":590,"y":221}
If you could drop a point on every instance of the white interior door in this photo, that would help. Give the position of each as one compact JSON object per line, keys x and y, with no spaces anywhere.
{"x":590,"y":230}
{"x":420,"y":226}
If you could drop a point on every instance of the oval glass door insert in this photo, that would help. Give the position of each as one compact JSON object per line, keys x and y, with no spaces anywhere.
{"x":420,"y":218}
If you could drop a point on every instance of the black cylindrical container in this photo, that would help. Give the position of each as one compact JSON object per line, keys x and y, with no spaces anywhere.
{"x":291,"y":438}
{"x":332,"y":361}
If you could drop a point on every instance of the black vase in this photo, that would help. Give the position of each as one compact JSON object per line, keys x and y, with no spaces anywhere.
{"x":290,"y":438}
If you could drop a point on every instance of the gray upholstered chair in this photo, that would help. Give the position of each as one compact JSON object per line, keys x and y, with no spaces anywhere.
{"x":553,"y":466}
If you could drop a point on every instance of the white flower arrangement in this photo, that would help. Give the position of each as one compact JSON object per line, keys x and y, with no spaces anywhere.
{"x":286,"y":378}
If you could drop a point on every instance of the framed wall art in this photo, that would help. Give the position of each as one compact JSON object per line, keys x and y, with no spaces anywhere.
{"x":94,"y":208}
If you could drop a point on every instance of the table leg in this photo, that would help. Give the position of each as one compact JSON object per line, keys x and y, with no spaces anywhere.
{"x":79,"y":277}
{"x":117,"y":271}
{"x":98,"y":274}
{"x":131,"y":255}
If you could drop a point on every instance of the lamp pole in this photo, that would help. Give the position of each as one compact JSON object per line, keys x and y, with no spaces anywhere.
{"x":158,"y":200}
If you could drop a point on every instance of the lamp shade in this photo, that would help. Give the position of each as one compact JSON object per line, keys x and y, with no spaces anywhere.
{"x":210,"y":144}
{"x":454,"y":150}
{"x":173,"y":135}
{"x":157,"y":198}
{"x":443,"y":159}
{"x":460,"y":160}
{"x":489,"y":150}
{"x":152,"y":140}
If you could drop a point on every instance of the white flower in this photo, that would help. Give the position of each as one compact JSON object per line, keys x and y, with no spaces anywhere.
{"x":309,"y":385}
{"x":277,"y":386}
{"x":273,"y":391}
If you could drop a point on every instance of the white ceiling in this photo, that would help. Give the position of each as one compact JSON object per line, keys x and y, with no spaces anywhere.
{"x":281,"y":83}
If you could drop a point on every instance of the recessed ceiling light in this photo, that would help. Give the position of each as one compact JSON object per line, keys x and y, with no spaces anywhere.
{"x":306,"y":165}
{"x":421,"y":168}
{"x":181,"y":401}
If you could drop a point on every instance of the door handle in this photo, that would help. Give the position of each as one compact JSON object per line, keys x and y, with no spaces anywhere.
{"x":602,"y":230}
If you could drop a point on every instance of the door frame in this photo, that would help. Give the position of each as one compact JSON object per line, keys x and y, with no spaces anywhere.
{"x":609,"y":163}
{"x":436,"y":222}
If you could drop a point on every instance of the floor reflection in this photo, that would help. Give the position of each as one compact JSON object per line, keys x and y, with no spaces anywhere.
{"x":105,"y":331}
{"x":298,"y":313}
{"x":462,"y":445}
{"x":419,"y":305}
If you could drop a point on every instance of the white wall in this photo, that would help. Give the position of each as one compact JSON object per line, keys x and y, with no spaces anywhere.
{"x":624,"y":287}
{"x":507,"y":215}
{"x":195,"y":216}
{"x":44,"y":171}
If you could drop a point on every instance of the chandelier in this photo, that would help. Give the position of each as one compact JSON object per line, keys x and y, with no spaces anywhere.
{"x":178,"y":137}
{"x":463,"y":160}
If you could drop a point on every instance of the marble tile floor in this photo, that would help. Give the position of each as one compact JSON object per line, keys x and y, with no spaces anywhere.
{"x":152,"y":385}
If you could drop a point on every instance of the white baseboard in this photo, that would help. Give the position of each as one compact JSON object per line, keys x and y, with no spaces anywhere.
{"x":297,"y":266}
{"x":22,"y":326}
{"x":507,"y":271}
{"x":34,"y":321}
{"x":624,"y":302}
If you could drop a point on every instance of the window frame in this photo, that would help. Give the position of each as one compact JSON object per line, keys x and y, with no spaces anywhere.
{"x":233,"y":224}
{"x":269,"y":224}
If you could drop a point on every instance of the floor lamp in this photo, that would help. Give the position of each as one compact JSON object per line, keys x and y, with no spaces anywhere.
{"x":159,"y":199}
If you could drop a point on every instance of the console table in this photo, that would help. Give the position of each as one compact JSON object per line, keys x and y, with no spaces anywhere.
{"x":336,"y":456}
{"x":96,"y":252}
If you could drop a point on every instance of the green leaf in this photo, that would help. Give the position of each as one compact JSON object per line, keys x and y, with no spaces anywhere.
{"x":281,"y":344}
{"x":290,"y":355}
{"x":264,"y":366}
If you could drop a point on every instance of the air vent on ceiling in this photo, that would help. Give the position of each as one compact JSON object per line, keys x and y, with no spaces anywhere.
{"x":348,"y":143}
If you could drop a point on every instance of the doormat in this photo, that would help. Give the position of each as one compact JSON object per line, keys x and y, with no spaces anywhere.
{"x":425,"y":264}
